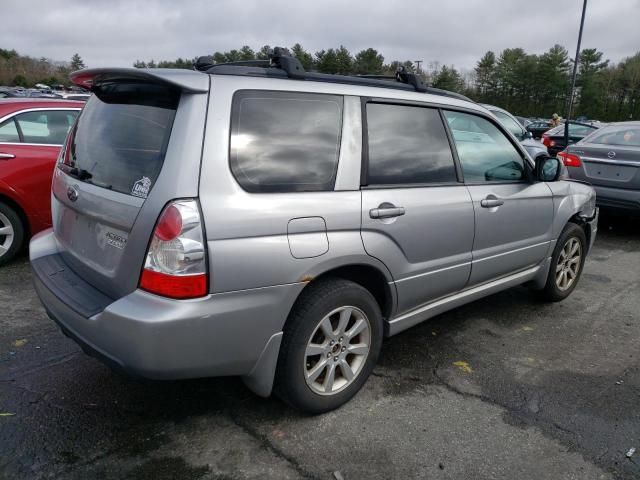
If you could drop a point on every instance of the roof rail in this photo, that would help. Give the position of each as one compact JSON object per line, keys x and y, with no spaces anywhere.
{"x":278,"y":58}
{"x":403,"y":76}
{"x":281,"y":58}
{"x":282,"y":64}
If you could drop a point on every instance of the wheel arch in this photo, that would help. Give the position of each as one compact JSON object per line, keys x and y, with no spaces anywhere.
{"x":368,"y":276}
{"x":580,"y":221}
{"x":363,"y":271}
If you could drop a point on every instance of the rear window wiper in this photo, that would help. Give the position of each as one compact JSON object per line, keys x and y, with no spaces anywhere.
{"x":79,"y":173}
{"x":83,"y":175}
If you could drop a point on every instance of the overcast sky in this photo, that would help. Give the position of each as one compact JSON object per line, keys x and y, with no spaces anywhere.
{"x":458,"y":32}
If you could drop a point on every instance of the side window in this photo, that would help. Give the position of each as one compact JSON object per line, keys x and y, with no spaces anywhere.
{"x":9,"y":132}
{"x":407,"y":145}
{"x":509,"y":123}
{"x":46,"y":127}
{"x":485,"y":153}
{"x":285,"y":142}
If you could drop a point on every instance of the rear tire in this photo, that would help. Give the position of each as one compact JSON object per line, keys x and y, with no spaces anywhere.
{"x":567,"y":263}
{"x":331,"y":344}
{"x":11,"y":233}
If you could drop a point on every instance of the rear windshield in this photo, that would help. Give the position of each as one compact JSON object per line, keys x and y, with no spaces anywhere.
{"x":121,"y":137}
{"x":622,"y":135}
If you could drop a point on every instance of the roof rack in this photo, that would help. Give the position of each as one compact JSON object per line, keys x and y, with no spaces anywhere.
{"x":282,"y":64}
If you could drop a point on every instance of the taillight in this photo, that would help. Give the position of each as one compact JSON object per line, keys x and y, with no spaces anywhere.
{"x":65,"y":151}
{"x":176,"y":264}
{"x":570,"y":159}
{"x":545,"y":140}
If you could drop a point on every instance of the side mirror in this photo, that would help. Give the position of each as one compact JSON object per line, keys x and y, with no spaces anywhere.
{"x":548,"y":169}
{"x":528,"y":134}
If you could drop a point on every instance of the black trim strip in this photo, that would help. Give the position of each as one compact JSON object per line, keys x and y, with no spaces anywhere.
{"x":452,"y":146}
{"x":364,"y":166}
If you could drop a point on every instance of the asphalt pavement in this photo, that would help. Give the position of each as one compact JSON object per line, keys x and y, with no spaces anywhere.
{"x":504,"y":388}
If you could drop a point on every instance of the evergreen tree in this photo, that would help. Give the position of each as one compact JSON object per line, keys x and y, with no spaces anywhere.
{"x":369,"y":61}
{"x":76,"y":63}
{"x":344,"y":61}
{"x":448,"y":78}
{"x":590,"y":65}
{"x":486,"y":77}
{"x":263,"y":53}
{"x":246,"y":53}
{"x":326,"y":61}
{"x":305,"y":58}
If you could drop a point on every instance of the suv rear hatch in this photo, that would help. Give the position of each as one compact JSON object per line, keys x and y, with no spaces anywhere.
{"x":136,"y":145}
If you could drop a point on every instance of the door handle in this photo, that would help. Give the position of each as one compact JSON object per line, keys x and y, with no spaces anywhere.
{"x":6,"y":156}
{"x":491,"y":201}
{"x":386,"y":210}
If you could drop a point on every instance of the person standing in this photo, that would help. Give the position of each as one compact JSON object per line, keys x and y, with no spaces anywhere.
{"x":555,"y":120}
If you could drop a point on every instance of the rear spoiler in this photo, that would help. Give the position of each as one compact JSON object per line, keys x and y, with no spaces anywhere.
{"x":186,"y":80}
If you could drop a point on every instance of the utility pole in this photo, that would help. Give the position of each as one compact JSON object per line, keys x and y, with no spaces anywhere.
{"x":573,"y":77}
{"x":417,"y":62}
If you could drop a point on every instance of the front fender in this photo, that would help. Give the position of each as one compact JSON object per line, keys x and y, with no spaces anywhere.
{"x":571,"y":199}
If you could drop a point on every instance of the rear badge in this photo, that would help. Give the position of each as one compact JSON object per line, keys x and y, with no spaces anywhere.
{"x":72,"y":193}
{"x":116,"y":240}
{"x":141,"y":187}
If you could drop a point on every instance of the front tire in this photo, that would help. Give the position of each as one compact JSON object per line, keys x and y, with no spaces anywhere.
{"x":11,"y":233}
{"x":330,"y":346}
{"x":567,"y":263}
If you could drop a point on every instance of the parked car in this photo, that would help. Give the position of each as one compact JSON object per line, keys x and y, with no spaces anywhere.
{"x":522,"y":120}
{"x":31,"y":134}
{"x":609,"y":159}
{"x":233,"y":221}
{"x":39,"y":93}
{"x":533,"y":148}
{"x":538,"y":128}
{"x":82,"y":97}
{"x":8,"y":93}
{"x":554,"y":138}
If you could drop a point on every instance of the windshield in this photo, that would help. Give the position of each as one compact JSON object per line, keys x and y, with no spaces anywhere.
{"x":509,"y":123}
{"x":121,"y":137}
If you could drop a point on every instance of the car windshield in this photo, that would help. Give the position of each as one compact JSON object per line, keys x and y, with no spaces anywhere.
{"x":509,"y":123}
{"x":623,"y":135}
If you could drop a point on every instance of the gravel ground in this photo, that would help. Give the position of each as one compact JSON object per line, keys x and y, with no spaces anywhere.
{"x":504,"y":388}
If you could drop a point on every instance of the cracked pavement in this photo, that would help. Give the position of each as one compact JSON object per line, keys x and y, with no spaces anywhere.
{"x":504,"y":388}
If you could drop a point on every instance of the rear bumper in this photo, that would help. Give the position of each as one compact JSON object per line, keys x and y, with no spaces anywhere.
{"x":618,"y":198}
{"x":159,"y":338}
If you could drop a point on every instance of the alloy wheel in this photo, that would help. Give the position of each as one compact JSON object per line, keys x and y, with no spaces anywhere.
{"x":568,"y":265}
{"x":337,"y":350}
{"x":6,"y":234}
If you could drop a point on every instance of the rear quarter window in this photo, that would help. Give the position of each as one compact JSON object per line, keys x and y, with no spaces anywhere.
{"x":285,"y":141}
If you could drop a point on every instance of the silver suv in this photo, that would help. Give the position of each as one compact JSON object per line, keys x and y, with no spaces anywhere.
{"x":261,"y":221}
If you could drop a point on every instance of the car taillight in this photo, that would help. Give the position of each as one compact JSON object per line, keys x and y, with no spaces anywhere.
{"x":570,"y":159}
{"x":176,"y":263}
{"x":65,"y":151}
{"x":545,"y":140}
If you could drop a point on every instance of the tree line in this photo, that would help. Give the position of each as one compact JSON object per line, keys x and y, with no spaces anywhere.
{"x":25,"y":71}
{"x":534,"y":85}
{"x":523,"y":83}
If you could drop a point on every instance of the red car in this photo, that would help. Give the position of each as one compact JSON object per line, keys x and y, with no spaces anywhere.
{"x":32,"y":131}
